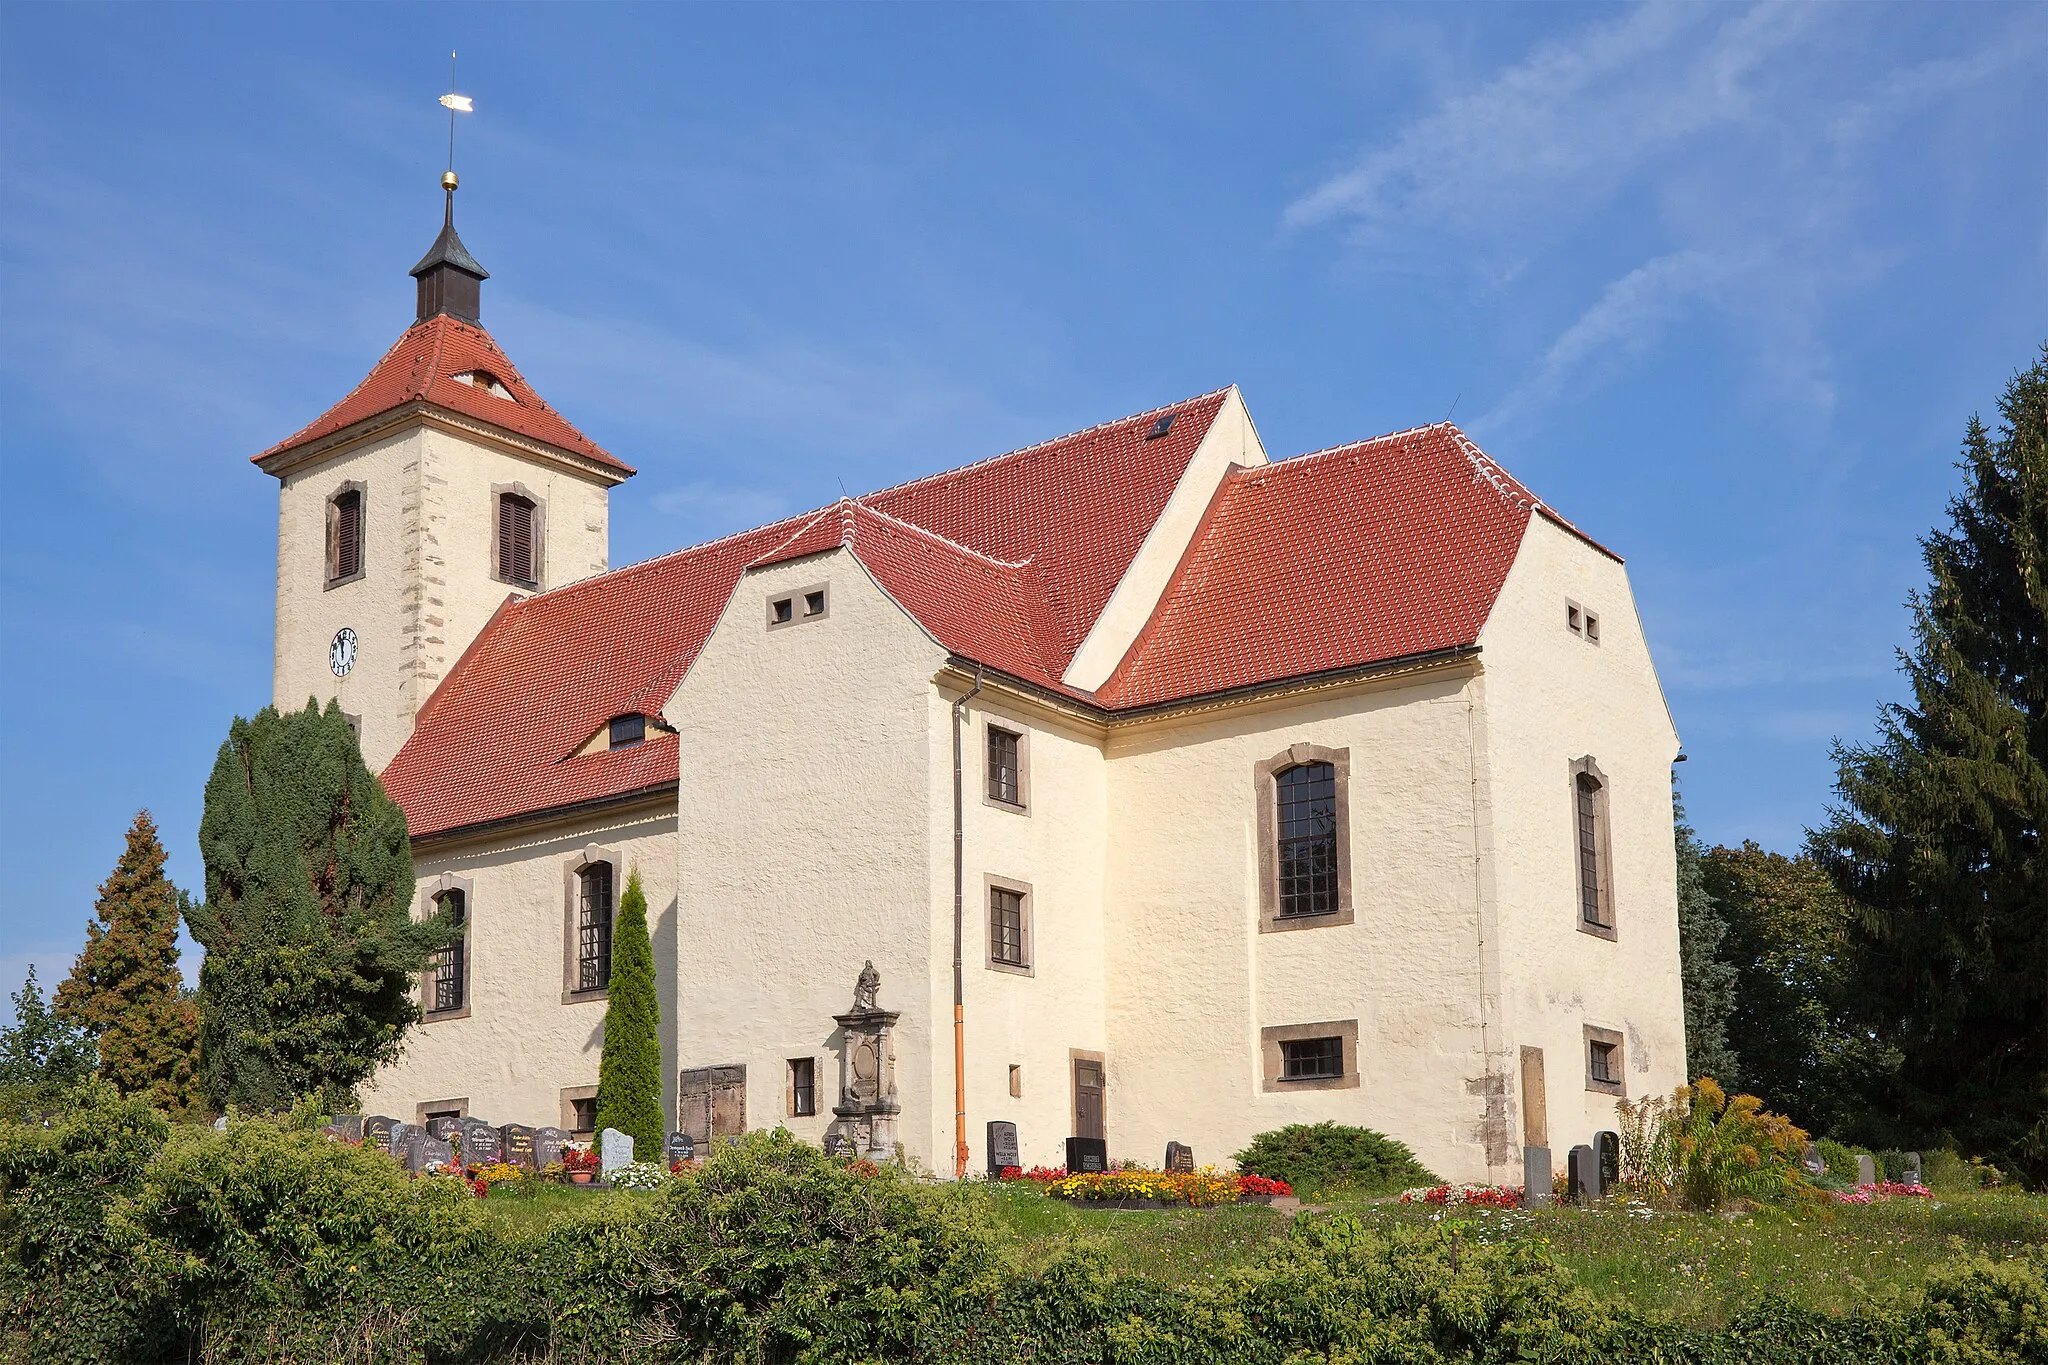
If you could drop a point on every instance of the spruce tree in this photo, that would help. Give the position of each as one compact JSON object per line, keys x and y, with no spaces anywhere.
{"x":1708,"y":980}
{"x":629,"y":1071}
{"x":38,"y":1050}
{"x":311,"y":948}
{"x":1938,"y":837}
{"x":125,"y":988}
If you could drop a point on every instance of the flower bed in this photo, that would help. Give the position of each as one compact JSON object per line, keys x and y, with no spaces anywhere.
{"x":1137,"y":1187}
{"x":1455,"y":1196}
{"x":1883,"y":1189}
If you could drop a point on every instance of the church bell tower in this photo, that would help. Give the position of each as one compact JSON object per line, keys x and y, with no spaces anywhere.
{"x":441,"y":486}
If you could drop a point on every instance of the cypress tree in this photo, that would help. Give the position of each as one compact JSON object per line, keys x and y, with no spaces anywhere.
{"x":311,"y":948}
{"x":125,"y":989}
{"x":1937,"y":840}
{"x":39,"y":1050}
{"x":1708,"y":980}
{"x":629,"y":1071}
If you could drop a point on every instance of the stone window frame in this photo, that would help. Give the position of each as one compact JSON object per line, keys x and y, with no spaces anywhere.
{"x":331,"y":535}
{"x":1022,"y":805}
{"x":1593,"y":1033}
{"x":795,"y":597}
{"x":431,"y":892}
{"x":572,"y":873}
{"x":570,"y":1094}
{"x":1265,"y":786}
{"x":991,"y":883}
{"x":540,"y":536}
{"x":1272,"y":1067}
{"x":1603,"y":849}
{"x":420,"y":1110}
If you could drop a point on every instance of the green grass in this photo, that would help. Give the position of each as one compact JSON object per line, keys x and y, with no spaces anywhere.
{"x":1694,"y":1268}
{"x":528,"y":1204}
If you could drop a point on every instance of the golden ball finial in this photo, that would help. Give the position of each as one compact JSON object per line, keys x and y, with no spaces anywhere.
{"x":448,"y":181}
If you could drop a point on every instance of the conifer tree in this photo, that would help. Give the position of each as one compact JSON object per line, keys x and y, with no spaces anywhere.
{"x":39,"y":1049}
{"x":311,"y":947}
{"x":629,"y":1071}
{"x":1938,"y":840}
{"x":1708,"y":981}
{"x":125,"y":989}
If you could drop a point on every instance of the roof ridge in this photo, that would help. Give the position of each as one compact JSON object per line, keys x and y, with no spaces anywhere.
{"x":930,"y":534}
{"x":1050,"y":441}
{"x":808,"y":522}
{"x":639,"y":564}
{"x":368,"y":375}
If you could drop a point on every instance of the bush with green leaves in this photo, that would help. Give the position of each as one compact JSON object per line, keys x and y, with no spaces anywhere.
{"x":1732,"y":1148}
{"x":1322,"y":1158}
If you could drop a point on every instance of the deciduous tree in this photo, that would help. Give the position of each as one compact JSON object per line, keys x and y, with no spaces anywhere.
{"x":39,"y":1049}
{"x":629,"y":1070}
{"x":1709,"y":981}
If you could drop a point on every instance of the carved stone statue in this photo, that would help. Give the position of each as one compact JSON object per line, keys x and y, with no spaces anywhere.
{"x":866,"y":987}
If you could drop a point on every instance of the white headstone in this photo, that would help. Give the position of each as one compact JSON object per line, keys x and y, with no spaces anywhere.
{"x":614,"y":1149}
{"x":220,"y":1125}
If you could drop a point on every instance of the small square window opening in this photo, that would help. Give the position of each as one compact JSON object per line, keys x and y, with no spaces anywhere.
{"x":1305,"y":1059}
{"x":433,"y":1114}
{"x":814,"y":603}
{"x":782,"y":610}
{"x":586,"y":1114}
{"x":1571,"y":617}
{"x":626,"y":731}
{"x":803,"y":1086}
{"x":1600,"y":1062}
{"x":1592,"y":628}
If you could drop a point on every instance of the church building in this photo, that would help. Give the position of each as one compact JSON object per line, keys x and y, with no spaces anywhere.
{"x":1168,"y":791}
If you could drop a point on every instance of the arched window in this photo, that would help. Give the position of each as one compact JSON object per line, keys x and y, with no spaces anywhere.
{"x":449,"y":966}
{"x":518,"y":540}
{"x":594,"y":927}
{"x":1307,"y":797}
{"x":1589,"y":810}
{"x":345,"y":535}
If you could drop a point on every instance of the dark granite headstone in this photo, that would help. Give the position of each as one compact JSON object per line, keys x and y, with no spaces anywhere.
{"x":1536,"y":1182}
{"x":441,"y":1128}
{"x":515,"y":1146}
{"x":679,"y":1147}
{"x":425,"y":1155}
{"x":1912,"y":1172}
{"x":1585,"y":1172}
{"x":1608,"y":1145}
{"x":1002,"y":1146}
{"x":479,"y":1143}
{"x":377,"y":1131}
{"x":347,"y":1127}
{"x":547,"y":1146}
{"x":1086,"y":1155}
{"x":1179,"y":1158}
{"x":408,"y":1143}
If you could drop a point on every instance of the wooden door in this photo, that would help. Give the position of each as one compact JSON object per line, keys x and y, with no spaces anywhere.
{"x":1088,"y":1088}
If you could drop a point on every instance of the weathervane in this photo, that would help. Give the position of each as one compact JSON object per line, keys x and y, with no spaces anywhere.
{"x":454,"y":104}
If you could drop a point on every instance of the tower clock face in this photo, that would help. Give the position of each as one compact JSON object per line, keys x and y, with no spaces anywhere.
{"x":341,"y":655}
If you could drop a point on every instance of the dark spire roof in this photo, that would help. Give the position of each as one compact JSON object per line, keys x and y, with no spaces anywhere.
{"x":450,"y":278}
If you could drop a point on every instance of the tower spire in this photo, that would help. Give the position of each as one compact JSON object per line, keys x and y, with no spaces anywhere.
{"x":450,"y":280}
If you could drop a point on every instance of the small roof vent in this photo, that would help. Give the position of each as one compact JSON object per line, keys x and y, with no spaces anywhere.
{"x":1161,"y":427}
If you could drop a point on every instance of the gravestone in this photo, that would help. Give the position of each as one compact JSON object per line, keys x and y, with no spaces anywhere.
{"x":1087,"y":1154}
{"x":377,"y":1131}
{"x":679,"y":1147}
{"x":441,"y":1128}
{"x":220,"y":1125}
{"x":1866,"y":1170}
{"x":1536,"y":1187}
{"x":614,"y":1149}
{"x":1002,"y":1146}
{"x":1585,"y":1172}
{"x":547,"y":1146}
{"x":865,"y":1117}
{"x":407,"y":1142}
{"x":1179,"y":1158}
{"x":479,"y":1143}
{"x":515,"y":1146}
{"x":838,"y":1143}
{"x":1812,"y":1162}
{"x":1912,"y":1176}
{"x":424,"y":1155}
{"x":1608,"y":1145}
{"x":347,"y":1127}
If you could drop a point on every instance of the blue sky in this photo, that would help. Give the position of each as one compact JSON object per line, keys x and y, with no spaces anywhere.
{"x":1721,"y":283}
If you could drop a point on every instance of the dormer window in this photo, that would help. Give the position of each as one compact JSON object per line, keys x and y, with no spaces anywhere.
{"x":627,"y":731}
{"x":488,"y":382}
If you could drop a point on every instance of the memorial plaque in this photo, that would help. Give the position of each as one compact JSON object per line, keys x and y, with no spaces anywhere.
{"x":1179,"y":1157}
{"x":479,"y":1143}
{"x":679,"y":1147}
{"x":1912,"y":1172}
{"x":838,"y":1143}
{"x":515,"y":1146}
{"x":1002,"y":1146}
{"x":1608,"y":1145}
{"x":442,"y":1127}
{"x":425,"y":1155}
{"x":1585,"y":1173}
{"x":547,"y":1146}
{"x":614,"y":1149}
{"x":408,"y":1144}
{"x":1866,"y":1170}
{"x":1536,"y":1178}
{"x":377,"y":1131}
{"x":1085,"y":1155}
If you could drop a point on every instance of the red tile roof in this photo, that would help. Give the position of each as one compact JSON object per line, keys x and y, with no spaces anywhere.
{"x":421,"y":367}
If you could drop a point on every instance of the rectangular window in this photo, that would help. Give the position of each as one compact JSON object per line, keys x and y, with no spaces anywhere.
{"x":1600,"y":1063}
{"x":626,"y":731}
{"x":594,"y":927}
{"x":1016,"y":1082}
{"x":783,"y":609}
{"x":803,"y":1086}
{"x":1006,"y":927}
{"x":516,"y":540}
{"x":1311,"y":1059}
{"x":1603,"y":1061}
{"x":1589,"y":815}
{"x":584,"y":1112}
{"x":814,"y":602}
{"x":1004,"y":771}
{"x":348,"y":535}
{"x":450,"y":985}
{"x":1308,"y":839}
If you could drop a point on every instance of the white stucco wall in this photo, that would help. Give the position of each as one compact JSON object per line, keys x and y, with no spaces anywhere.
{"x":1192,"y":979}
{"x":520,"y":1044}
{"x":427,"y":588}
{"x":1553,"y":698}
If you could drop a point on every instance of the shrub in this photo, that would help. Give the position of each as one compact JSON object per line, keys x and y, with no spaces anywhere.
{"x":1841,"y":1159}
{"x":629,"y":1068}
{"x":1321,"y":1158}
{"x":1731,"y":1148}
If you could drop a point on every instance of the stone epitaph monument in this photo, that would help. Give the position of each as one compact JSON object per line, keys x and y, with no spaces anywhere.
{"x":1002,"y":1145}
{"x":864,"y":1120}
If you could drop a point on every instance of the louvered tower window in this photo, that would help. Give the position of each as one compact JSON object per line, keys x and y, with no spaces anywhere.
{"x":517,"y":541}
{"x":594,"y":927}
{"x":345,"y":535}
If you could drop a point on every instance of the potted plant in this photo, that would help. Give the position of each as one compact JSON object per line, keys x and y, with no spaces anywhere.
{"x":581,"y":1164}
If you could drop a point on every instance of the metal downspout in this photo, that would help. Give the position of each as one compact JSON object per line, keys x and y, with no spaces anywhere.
{"x":959,"y":913}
